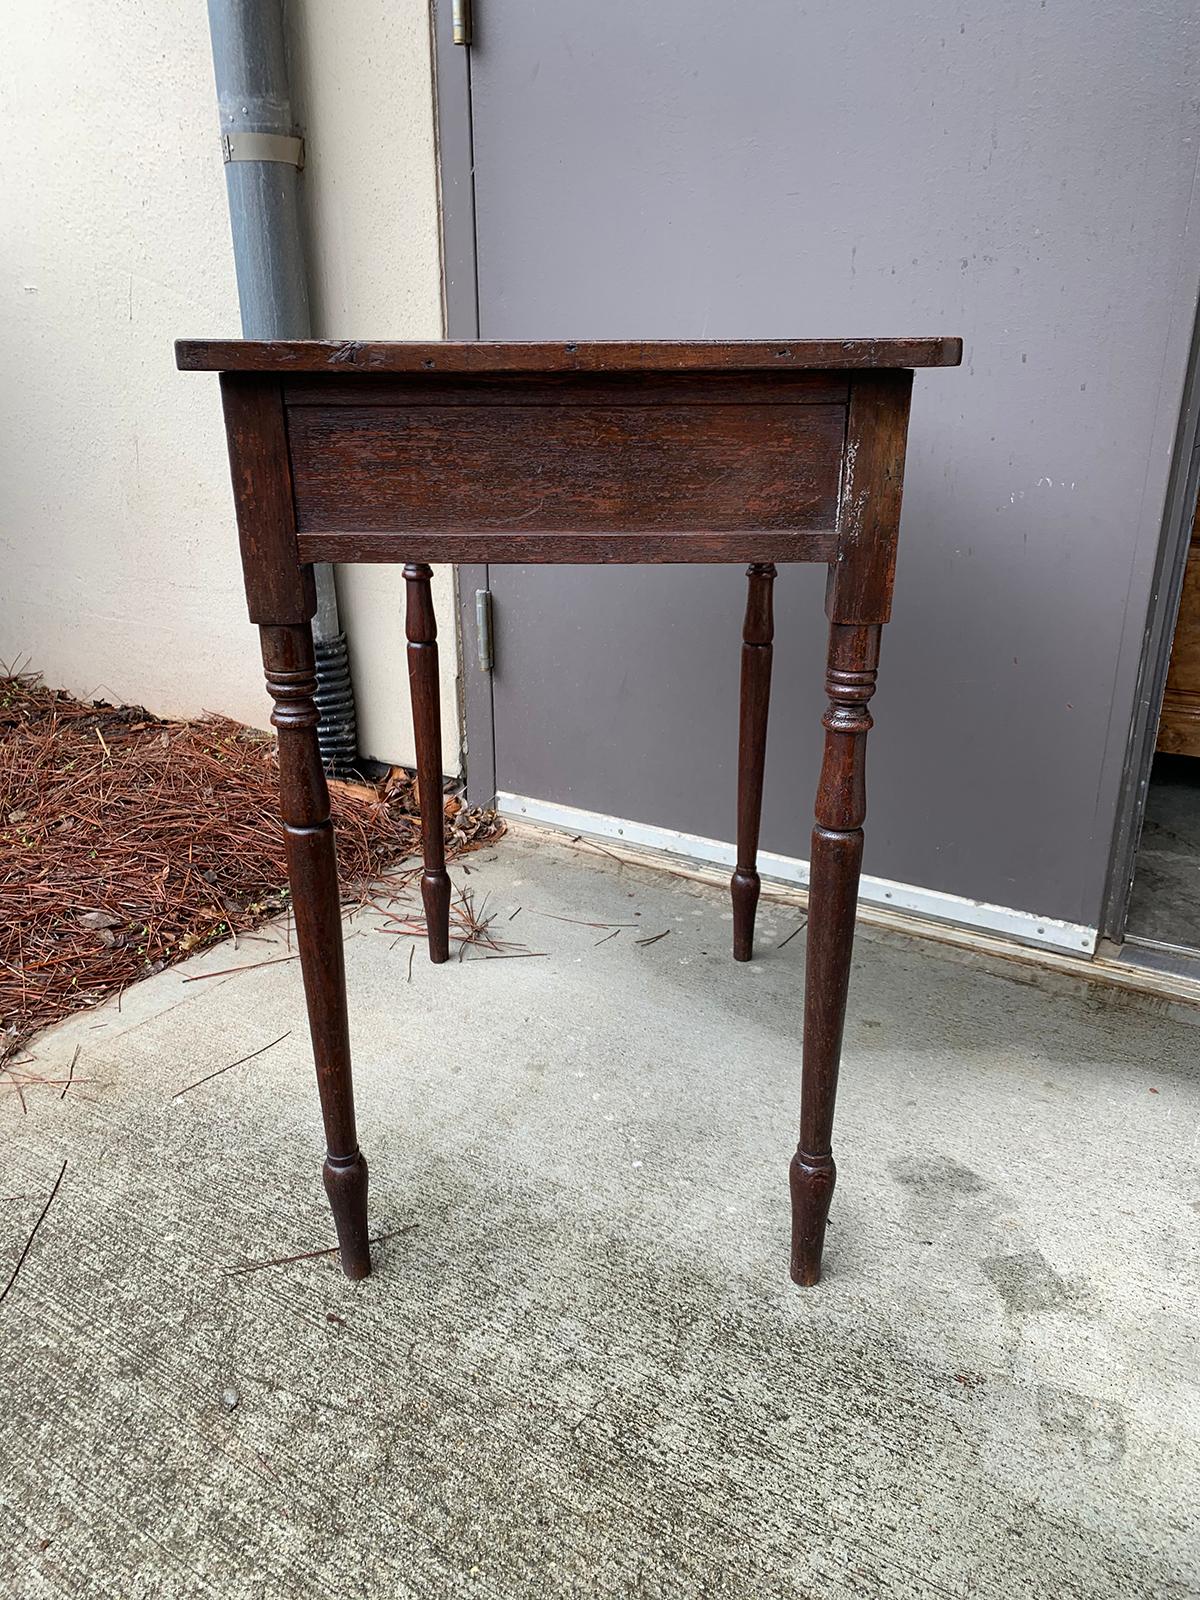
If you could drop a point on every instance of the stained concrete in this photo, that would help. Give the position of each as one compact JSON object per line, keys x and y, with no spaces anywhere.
{"x":579,"y":1368}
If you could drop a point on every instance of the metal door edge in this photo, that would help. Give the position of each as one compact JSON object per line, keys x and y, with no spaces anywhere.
{"x":1170,"y":563}
{"x":460,"y":319}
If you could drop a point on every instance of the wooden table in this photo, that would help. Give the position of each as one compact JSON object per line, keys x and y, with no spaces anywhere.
{"x":757,"y":452}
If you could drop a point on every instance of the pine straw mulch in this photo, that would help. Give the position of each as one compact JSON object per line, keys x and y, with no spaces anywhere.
{"x":128,"y":843}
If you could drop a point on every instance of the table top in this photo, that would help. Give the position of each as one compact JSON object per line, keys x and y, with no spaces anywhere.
{"x":584,"y":356}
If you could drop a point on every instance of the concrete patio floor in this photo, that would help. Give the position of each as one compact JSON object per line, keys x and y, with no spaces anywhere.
{"x":579,"y":1368}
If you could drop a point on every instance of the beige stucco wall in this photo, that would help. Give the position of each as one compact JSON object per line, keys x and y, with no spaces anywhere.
{"x":363,"y":88}
{"x":118,"y":551}
{"x":119,"y":565}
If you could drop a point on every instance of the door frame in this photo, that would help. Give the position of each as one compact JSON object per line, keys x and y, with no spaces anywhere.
{"x":455,"y":165}
{"x":1170,"y":563}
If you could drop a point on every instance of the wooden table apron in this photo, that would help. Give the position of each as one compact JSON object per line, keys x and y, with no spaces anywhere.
{"x":753,"y":452}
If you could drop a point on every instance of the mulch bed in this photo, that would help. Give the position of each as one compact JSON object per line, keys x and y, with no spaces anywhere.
{"x":128,"y":843}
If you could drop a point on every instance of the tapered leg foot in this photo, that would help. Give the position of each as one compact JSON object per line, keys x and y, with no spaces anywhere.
{"x":812,"y":1182}
{"x":346,"y":1185}
{"x":435,"y":894}
{"x":744,"y":889}
{"x":758,"y":630}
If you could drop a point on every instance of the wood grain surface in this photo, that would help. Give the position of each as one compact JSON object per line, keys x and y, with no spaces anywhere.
{"x":594,"y":469}
{"x":321,"y":355}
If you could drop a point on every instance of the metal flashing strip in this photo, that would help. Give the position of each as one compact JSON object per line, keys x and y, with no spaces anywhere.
{"x":1047,"y":933}
{"x":284,"y":147}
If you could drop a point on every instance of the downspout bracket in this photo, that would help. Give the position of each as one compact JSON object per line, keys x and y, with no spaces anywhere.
{"x":285,"y":147}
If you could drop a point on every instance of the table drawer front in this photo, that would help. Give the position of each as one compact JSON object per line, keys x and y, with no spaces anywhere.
{"x":579,"y":468}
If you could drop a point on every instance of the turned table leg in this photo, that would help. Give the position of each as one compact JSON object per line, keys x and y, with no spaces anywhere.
{"x":312,"y":868}
{"x":758,"y":630}
{"x":421,"y":631}
{"x":837,"y":845}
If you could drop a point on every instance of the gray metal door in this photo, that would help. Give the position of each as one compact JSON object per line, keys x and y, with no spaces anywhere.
{"x":1017,"y":173}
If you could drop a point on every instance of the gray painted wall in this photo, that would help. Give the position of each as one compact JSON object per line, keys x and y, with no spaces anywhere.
{"x":1020,"y":172}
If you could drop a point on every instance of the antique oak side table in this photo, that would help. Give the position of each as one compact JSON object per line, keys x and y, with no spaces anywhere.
{"x":758,"y":453}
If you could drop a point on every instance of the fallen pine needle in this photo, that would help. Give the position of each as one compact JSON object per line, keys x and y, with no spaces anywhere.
{"x":251,"y":966}
{"x":590,"y":844}
{"x":579,"y":921}
{"x":312,"y":1255}
{"x":609,"y":936}
{"x":792,"y":935}
{"x":46,"y":1083}
{"x":654,"y":938}
{"x":239,"y":1062}
{"x":511,"y":955}
{"x":71,"y":1068}
{"x":32,"y":1235}
{"x":412,"y":950}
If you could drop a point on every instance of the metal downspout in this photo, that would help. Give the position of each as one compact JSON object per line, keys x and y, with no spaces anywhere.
{"x":263,"y":158}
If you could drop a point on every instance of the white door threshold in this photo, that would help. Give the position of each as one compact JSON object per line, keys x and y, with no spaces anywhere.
{"x":1046,"y":933}
{"x":1042,"y":943}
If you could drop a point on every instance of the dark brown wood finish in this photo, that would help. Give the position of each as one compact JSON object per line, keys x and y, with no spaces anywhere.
{"x":569,"y":547}
{"x":316,"y":902}
{"x":608,"y":390}
{"x":759,"y":452}
{"x":837,"y":846}
{"x":758,"y":631}
{"x":580,"y":469}
{"x":278,"y":588}
{"x":421,"y":631}
{"x":615,"y":469}
{"x":584,"y":355}
{"x":860,"y":579}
